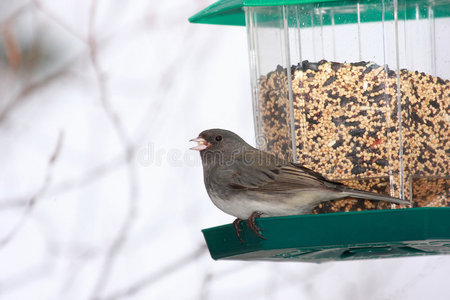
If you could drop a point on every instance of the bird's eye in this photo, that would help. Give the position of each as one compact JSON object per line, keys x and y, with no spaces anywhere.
{"x":218,"y":138}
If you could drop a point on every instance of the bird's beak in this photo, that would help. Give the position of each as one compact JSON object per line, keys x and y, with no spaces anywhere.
{"x":202,"y":144}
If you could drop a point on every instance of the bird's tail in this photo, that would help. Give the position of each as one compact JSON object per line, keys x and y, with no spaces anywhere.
{"x":373,"y":196}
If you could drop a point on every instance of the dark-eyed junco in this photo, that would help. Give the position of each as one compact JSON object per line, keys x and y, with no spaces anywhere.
{"x":248,"y":183}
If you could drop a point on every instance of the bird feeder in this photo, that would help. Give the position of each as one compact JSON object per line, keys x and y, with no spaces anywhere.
{"x":359,"y":92}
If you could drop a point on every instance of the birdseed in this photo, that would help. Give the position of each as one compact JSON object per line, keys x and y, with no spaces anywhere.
{"x":347,"y":128}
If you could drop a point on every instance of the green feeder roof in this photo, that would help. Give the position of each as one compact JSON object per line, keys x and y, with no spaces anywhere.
{"x":231,"y":12}
{"x":337,"y":236}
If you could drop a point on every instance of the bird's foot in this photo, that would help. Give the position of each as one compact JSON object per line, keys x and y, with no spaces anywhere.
{"x":252,"y":224}
{"x":238,"y":230}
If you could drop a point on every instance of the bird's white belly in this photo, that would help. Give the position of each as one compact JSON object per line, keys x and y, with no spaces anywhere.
{"x":281,"y":205}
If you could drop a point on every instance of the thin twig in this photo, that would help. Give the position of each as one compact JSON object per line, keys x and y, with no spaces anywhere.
{"x":12,"y":48}
{"x":15,"y":14}
{"x":125,"y":228}
{"x":70,"y":184}
{"x":33,"y":200}
{"x":208,"y":277}
{"x":28,"y":276}
{"x":33,"y":87}
{"x":40,"y":7}
{"x":150,"y":279}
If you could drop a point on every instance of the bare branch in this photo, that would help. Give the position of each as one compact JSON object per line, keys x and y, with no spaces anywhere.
{"x":208,"y":277}
{"x":15,"y":14}
{"x":121,"y":237}
{"x":13,"y":51}
{"x":39,"y":6}
{"x":32,"y":87}
{"x":23,"y":278}
{"x":125,"y":228}
{"x":33,"y":200}
{"x":150,"y":279}
{"x":90,"y":176}
{"x":67,"y":185}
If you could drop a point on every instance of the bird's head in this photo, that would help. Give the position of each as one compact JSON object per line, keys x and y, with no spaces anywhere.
{"x":219,"y":144}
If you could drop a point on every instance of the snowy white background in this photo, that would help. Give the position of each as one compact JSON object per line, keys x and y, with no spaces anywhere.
{"x":99,"y":196}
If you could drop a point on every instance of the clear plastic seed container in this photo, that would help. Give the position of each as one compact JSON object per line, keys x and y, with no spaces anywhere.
{"x":358,"y":91}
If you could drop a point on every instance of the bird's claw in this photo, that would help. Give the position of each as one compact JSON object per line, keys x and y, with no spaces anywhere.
{"x":238,"y":230}
{"x":252,"y":224}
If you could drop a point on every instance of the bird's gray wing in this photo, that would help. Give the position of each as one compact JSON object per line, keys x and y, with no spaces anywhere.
{"x":279,"y":178}
{"x":288,"y":177}
{"x":240,"y":177}
{"x":294,"y":176}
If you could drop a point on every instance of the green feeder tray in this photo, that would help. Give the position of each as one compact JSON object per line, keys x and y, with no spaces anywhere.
{"x":337,"y":236}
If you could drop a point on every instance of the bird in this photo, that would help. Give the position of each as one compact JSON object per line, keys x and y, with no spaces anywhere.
{"x":249,"y":183}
